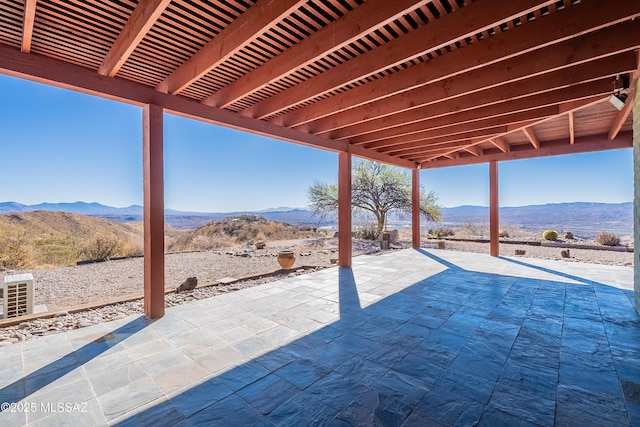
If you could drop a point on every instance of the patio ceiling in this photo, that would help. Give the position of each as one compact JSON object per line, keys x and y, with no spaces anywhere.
{"x":407,"y":82}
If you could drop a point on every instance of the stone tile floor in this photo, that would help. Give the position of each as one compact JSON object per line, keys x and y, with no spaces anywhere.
{"x":411,"y":338}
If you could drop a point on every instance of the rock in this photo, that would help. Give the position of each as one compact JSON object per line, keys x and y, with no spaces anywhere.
{"x":520,"y":252}
{"x":393,"y":236}
{"x":83,"y":323}
{"x":565,"y":254}
{"x":569,"y":236}
{"x":260,"y":244}
{"x":61,"y":313}
{"x":188,"y":285}
{"x":24,"y":325}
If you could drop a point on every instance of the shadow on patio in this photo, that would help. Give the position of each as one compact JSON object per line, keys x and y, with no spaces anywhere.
{"x":458,"y":348}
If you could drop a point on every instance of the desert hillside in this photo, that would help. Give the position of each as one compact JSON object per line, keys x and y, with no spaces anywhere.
{"x":48,"y":239}
{"x":235,"y":231}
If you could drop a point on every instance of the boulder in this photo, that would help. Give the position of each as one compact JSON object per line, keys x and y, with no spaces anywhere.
{"x":393,"y":236}
{"x":188,"y":285}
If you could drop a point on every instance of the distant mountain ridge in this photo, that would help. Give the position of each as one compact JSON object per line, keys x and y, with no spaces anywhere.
{"x":586,"y":218}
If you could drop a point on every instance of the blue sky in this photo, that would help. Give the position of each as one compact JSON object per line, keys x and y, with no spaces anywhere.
{"x":62,"y":146}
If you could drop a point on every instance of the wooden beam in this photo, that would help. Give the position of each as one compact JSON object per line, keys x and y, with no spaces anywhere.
{"x":494,"y":221}
{"x":364,"y":19}
{"x":501,"y":144}
{"x":531,"y":136}
{"x":152,"y":120}
{"x":563,"y":108}
{"x":474,"y":149}
{"x":466,"y":22}
{"x":73,"y":77}
{"x":583,"y":144}
{"x":242,"y":31}
{"x":344,"y":210}
{"x":546,"y":86}
{"x":574,"y":54}
{"x":559,"y":27}
{"x":415,"y":208}
{"x":572,"y":133}
{"x":140,"y":22}
{"x":28,"y":22}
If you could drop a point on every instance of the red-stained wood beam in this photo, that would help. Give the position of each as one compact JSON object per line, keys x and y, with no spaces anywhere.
{"x":563,"y":108}
{"x":572,"y":131}
{"x":415,"y":208}
{"x":494,"y":221}
{"x":474,"y":149}
{"x":501,"y":144}
{"x":531,"y":136}
{"x":73,"y":77}
{"x":27,"y":24}
{"x":541,"y":89}
{"x":140,"y":22}
{"x":488,"y":123}
{"x":344,"y":210}
{"x":153,"y":176}
{"x":583,"y":144}
{"x":466,"y":22}
{"x":555,"y":28}
{"x":606,"y":43}
{"x":242,"y":31}
{"x":372,"y":15}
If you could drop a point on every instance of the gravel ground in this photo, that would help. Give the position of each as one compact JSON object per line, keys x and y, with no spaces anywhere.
{"x":60,"y":288}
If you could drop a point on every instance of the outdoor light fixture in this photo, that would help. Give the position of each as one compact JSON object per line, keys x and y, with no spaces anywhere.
{"x":618,"y":99}
{"x":418,"y":165}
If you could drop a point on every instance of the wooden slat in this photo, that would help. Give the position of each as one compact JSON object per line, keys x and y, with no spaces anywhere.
{"x":553,"y":29}
{"x":367,"y":18}
{"x":436,"y":35}
{"x":531,"y":136}
{"x":247,"y":28}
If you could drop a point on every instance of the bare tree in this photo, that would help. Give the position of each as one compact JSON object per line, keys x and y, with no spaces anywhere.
{"x":376,"y":188}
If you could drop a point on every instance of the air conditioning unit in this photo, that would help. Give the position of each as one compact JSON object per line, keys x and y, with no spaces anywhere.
{"x":18,"y":295}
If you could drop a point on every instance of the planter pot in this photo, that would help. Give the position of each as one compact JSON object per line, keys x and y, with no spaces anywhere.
{"x":286,"y":259}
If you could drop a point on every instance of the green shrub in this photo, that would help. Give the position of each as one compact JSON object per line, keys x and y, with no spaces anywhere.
{"x":550,"y":235}
{"x":443,"y":232}
{"x":366,"y":231}
{"x":13,"y":255}
{"x":608,"y":239}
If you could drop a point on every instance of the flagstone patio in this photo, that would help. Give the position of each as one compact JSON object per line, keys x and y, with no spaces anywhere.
{"x":412,"y":338}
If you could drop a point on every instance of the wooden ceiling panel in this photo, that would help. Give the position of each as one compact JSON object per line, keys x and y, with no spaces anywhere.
{"x":442,"y":82}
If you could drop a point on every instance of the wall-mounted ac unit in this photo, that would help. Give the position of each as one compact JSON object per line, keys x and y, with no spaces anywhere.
{"x":18,"y":295}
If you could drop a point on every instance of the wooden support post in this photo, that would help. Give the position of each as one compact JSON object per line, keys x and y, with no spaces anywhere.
{"x":415,"y":208}
{"x":152,"y":124}
{"x":494,"y":232}
{"x":344,"y":210}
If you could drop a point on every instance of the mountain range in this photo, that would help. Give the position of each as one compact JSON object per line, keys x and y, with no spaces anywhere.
{"x":584,"y":218}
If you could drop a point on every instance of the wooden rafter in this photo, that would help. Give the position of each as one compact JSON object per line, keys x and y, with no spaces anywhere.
{"x":583,"y":144}
{"x":142,"y":19}
{"x":27,"y":24}
{"x":436,"y":35}
{"x":372,"y":15}
{"x":501,"y":144}
{"x":569,"y":84}
{"x":532,"y":137}
{"x":251,"y":25}
{"x":572,"y":133}
{"x":575,"y":54}
{"x":545,"y":33}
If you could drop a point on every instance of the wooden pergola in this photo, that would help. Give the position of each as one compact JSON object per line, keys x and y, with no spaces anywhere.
{"x":416,"y":84}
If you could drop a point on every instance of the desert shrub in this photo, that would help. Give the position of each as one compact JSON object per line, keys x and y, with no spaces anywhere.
{"x":503,"y":233}
{"x":608,"y":239}
{"x":101,"y":248}
{"x":366,"y":231}
{"x":443,"y":232}
{"x":470,"y":229}
{"x":13,"y":255}
{"x":550,"y":235}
